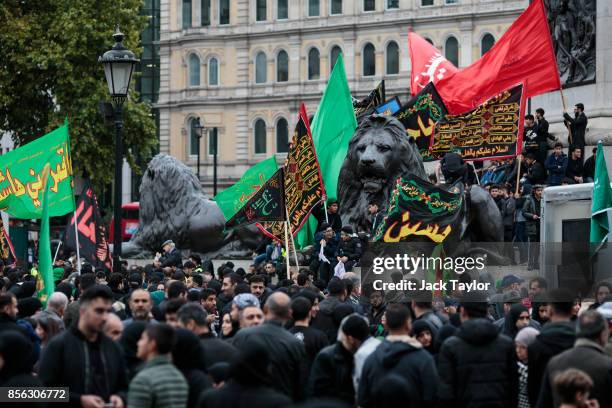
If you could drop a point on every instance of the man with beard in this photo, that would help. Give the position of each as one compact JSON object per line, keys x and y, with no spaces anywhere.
{"x":140,"y":304}
{"x":349,"y":249}
{"x":84,"y":359}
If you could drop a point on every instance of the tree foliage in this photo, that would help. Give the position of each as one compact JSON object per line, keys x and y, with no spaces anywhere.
{"x":49,"y":69}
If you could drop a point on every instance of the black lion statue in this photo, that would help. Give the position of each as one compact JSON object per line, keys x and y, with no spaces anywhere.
{"x":173,"y":206}
{"x":379,"y":153}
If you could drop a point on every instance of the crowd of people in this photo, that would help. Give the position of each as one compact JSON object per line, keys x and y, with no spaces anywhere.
{"x":180,"y":333}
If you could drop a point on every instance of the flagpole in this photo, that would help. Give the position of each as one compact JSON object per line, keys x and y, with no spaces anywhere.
{"x":297,"y":264}
{"x":57,"y":251}
{"x":518,"y":174}
{"x":569,"y":128}
{"x":475,"y":172}
{"x":76,"y":237}
{"x":325,"y":208}
{"x":287,"y":247}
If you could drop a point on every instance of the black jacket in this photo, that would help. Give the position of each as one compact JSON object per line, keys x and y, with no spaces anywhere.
{"x":531,"y":207}
{"x":331,"y":374}
{"x":66,"y":363}
{"x":589,"y":167}
{"x":350,"y":249}
{"x":477,"y":368}
{"x":235,"y":395}
{"x":216,"y":350}
{"x":405,"y":357}
{"x":552,"y":340}
{"x":536,"y":173}
{"x":589,"y":357}
{"x":574,"y":168}
{"x":578,"y":125}
{"x":325,"y":321}
{"x":10,"y":323}
{"x":542,"y":129}
{"x":287,"y":354}
{"x":173,"y":258}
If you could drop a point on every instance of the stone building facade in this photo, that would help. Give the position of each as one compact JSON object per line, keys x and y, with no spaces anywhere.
{"x":244,"y":66}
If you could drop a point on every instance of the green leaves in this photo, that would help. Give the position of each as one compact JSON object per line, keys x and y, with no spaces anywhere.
{"x":49,"y":69}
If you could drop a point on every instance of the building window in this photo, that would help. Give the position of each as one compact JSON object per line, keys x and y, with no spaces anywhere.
{"x":282,"y":136}
{"x":212,"y":142}
{"x":451,"y":50}
{"x":194,"y":70}
{"x":282,"y":10}
{"x":369,"y":5}
{"x":369,"y":60}
{"x":205,"y":14}
{"x":261,"y":10}
{"x":392,"y":4}
{"x":224,"y":11}
{"x":425,"y":3}
{"x":486,"y":43}
{"x":314,"y":66}
{"x":261,"y":68}
{"x":333,"y":57}
{"x":186,"y":14}
{"x":336,"y":7}
{"x":194,"y":140}
{"x":451,"y":1}
{"x":213,"y":72}
{"x":282,"y":66}
{"x":260,"y":136}
{"x":313,"y":8}
{"x":392,"y":58}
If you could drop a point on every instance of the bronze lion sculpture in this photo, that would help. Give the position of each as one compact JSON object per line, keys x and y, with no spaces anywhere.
{"x":379,"y":153}
{"x":173,"y":206}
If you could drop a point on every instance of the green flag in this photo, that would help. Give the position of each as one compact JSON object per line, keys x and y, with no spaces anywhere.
{"x":21,"y":181}
{"x":332,"y":129}
{"x":45,"y":270}
{"x":602,"y":200}
{"x":233,"y":198}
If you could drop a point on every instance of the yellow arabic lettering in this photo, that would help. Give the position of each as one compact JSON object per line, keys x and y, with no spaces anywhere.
{"x":430,"y":231}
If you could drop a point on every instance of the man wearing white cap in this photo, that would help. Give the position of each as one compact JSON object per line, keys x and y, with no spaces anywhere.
{"x":171,"y":257}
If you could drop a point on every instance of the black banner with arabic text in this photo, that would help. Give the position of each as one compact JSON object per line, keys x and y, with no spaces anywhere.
{"x":494,"y":130}
{"x":370,"y":102}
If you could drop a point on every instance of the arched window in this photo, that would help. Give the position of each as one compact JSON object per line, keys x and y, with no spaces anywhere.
{"x":314,"y":66}
{"x":282,"y":136}
{"x":282,"y":66}
{"x":486,"y":43}
{"x":333,"y":57}
{"x":213,"y":72}
{"x":369,"y":60}
{"x":451,"y":50}
{"x":186,"y":14}
{"x":392,"y":58}
{"x":194,"y":70}
{"x":260,"y":136}
{"x":194,"y":140}
{"x":261,"y":68}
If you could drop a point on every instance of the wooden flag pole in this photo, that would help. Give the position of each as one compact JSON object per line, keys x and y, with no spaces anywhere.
{"x":570,"y":138}
{"x":518,"y":174}
{"x":297,"y":264}
{"x":287,"y":247}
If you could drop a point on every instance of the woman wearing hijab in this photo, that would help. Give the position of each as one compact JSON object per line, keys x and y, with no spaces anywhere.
{"x":516,"y":319}
{"x":421,"y":330}
{"x":523,"y":340}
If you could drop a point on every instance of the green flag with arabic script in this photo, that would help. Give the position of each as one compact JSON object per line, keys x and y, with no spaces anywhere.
{"x":21,"y":177}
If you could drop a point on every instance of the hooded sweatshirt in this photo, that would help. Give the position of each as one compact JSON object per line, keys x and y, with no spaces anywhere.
{"x":554,"y":338}
{"x":405,"y":357}
{"x":477,"y":368}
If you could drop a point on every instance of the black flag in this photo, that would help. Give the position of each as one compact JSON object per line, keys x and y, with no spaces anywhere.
{"x":92,"y":234}
{"x":370,"y":102}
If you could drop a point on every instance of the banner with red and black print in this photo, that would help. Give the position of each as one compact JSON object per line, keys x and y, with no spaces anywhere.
{"x":93,"y":245}
{"x":494,"y":130}
{"x":420,"y":115}
{"x":268,"y":204}
{"x":419,"y":210}
{"x":7,"y":252}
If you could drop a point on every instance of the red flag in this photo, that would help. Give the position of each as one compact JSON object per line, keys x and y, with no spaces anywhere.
{"x":428,"y":65}
{"x":523,"y":54}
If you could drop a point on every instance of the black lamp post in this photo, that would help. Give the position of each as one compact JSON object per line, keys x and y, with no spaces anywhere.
{"x":119,"y":63}
{"x":198,"y":125}
{"x":215,"y":147}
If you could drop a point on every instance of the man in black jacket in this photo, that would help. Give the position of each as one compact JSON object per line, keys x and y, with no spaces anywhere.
{"x":543,"y":135}
{"x":589,"y":168}
{"x":172,"y":256}
{"x":577,"y":125}
{"x":556,"y":336}
{"x":535,"y":171}
{"x":574,"y":170}
{"x":403,"y":356}
{"x":477,"y":366}
{"x":587,"y":355}
{"x":85,"y":360}
{"x":8,"y":314}
{"x":287,"y":353}
{"x":332,"y":370}
{"x":349,"y":248}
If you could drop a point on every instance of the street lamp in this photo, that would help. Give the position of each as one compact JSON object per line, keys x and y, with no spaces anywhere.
{"x":119,"y":63}
{"x":197,"y":125}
